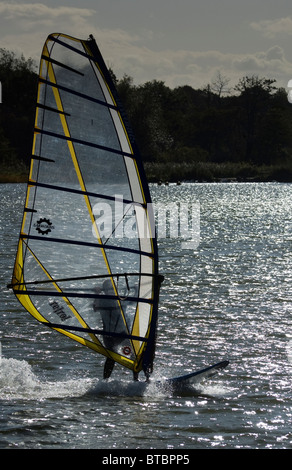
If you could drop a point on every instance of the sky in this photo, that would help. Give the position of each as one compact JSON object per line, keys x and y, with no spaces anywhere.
{"x":180,"y":42}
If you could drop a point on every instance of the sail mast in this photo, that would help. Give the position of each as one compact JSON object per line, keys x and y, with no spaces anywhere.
{"x":150,"y":349}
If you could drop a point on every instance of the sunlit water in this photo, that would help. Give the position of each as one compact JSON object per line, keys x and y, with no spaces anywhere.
{"x":230,"y":298}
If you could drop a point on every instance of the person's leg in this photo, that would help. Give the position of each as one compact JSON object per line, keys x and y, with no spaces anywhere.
{"x":108,"y":367}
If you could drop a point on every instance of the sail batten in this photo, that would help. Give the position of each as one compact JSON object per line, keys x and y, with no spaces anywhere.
{"x":53,"y":110}
{"x":101,"y":332}
{"x":24,"y":236}
{"x":79,"y":191}
{"x":77,"y":93}
{"x":69,"y":46}
{"x":97,"y":276}
{"x":86,"y":264}
{"x":56,"y":62}
{"x":82,"y":142}
{"x":67,"y":294}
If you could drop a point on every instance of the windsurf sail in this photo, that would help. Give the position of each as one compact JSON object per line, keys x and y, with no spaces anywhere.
{"x":86,"y":264}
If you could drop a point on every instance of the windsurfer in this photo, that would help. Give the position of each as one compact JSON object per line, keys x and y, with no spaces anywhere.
{"x":112,"y":320}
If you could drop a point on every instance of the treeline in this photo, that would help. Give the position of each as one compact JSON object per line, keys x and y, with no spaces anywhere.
{"x":19,"y":85}
{"x":212,"y":133}
{"x":183,"y":133}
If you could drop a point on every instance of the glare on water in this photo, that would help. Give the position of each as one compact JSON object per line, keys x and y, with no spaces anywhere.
{"x":227,"y":298}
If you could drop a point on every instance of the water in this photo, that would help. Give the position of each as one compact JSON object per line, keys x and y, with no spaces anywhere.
{"x":229,"y":299}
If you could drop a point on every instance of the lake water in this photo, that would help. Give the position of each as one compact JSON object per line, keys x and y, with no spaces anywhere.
{"x":229,"y":298}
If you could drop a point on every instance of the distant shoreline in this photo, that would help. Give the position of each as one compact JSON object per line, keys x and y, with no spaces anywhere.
{"x":192,"y":172}
{"x":13,"y":178}
{"x":216,"y":172}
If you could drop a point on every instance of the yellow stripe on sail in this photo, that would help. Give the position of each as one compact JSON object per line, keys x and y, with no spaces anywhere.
{"x":70,"y":144}
{"x":137,"y":345}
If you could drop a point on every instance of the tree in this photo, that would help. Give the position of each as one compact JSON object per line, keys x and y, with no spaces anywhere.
{"x":254,"y":100}
{"x":146,"y":106}
{"x":219,"y":85}
{"x":19,"y":85}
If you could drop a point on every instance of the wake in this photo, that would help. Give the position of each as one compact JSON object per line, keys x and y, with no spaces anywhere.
{"x":18,"y":381}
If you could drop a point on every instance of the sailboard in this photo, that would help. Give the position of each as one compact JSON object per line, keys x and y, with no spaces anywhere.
{"x":197,"y":377}
{"x":87,"y":263}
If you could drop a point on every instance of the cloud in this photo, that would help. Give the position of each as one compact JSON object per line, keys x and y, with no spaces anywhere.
{"x":271,"y":60}
{"x":25,"y":26}
{"x":198,"y":68}
{"x":271,"y":28}
{"x":34,"y":11}
{"x":17,"y":18}
{"x":187,"y":67}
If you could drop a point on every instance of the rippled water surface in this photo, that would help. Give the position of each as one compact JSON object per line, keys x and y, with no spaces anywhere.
{"x":230,"y":298}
